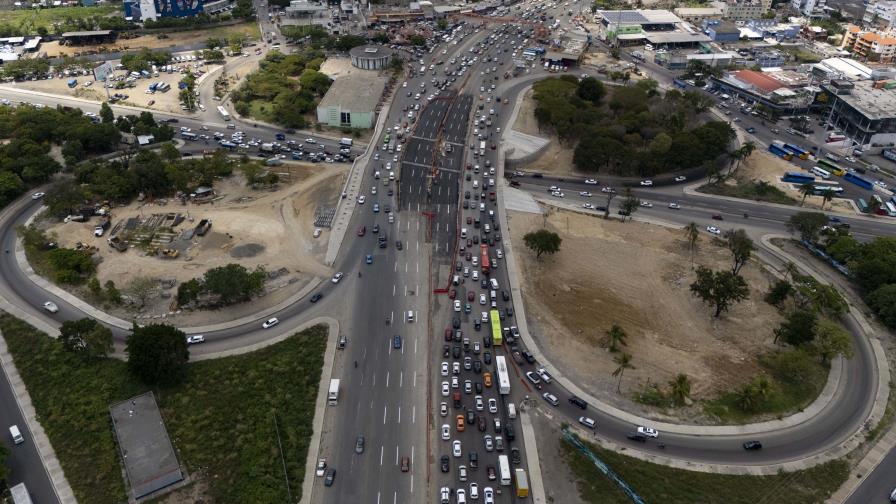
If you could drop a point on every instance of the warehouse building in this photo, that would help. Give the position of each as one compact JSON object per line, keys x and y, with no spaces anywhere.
{"x":352,"y":101}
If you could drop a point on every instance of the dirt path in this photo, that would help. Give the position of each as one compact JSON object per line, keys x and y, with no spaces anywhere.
{"x":638,"y":276}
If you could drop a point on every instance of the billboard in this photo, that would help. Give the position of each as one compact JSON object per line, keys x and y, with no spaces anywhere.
{"x":103,"y":71}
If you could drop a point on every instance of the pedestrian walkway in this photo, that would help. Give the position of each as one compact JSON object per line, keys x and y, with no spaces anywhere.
{"x":865,"y":467}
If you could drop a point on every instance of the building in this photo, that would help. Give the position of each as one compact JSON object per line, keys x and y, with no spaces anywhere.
{"x":769,"y":59}
{"x":721,"y":31}
{"x":870,"y":45}
{"x":660,"y":28}
{"x":567,"y":50}
{"x":881,"y":14}
{"x":89,"y":37}
{"x":743,"y":10}
{"x":304,"y":9}
{"x":371,"y":57}
{"x":352,"y":101}
{"x":145,"y":10}
{"x":841,"y":69}
{"x":864,"y":111}
{"x":809,"y":8}
{"x":679,"y":61}
{"x":771,"y":29}
{"x":696,"y":15}
{"x":780,"y":92}
{"x":814,"y":33}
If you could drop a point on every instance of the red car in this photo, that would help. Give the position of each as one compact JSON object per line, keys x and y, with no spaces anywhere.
{"x":405,"y":464}
{"x":493,"y":146}
{"x":491,"y":473}
{"x":717,"y":217}
{"x":469,"y":256}
{"x":452,"y":294}
{"x":469,"y":220}
{"x":362,"y":230}
{"x":471,"y":296}
{"x":469,"y":166}
{"x":449,"y":334}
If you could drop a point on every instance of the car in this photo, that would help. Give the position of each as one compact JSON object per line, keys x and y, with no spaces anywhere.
{"x":445,"y":389}
{"x":461,"y":496}
{"x":591,"y":181}
{"x":634,"y":436}
{"x":489,"y":442}
{"x":271,"y":322}
{"x":359,"y":445}
{"x":493,"y":405}
{"x":337,"y":277}
{"x":490,"y":472}
{"x":362,"y":199}
{"x":446,"y":432}
{"x":376,"y":208}
{"x":607,"y":190}
{"x":717,"y":217}
{"x":756,"y":445}
{"x":533,"y":377}
{"x":321,"y":467}
{"x":462,"y":473}
{"x":646,"y":183}
{"x":399,"y":245}
{"x":50,"y":307}
{"x":331,"y":476}
{"x":542,"y":372}
{"x":551,"y":398}
{"x":588,"y":206}
{"x":444,"y":369}
{"x":444,"y":463}
{"x":648,"y":431}
{"x":587,"y":422}
{"x":452,"y":294}
{"x":38,"y":195}
{"x":310,"y":141}
{"x":714,"y":230}
{"x":456,"y":448}
{"x":488,"y":495}
{"x":674,"y":206}
{"x":317,"y":297}
{"x":195,"y":339}
{"x":368,"y":258}
{"x":751,"y":130}
{"x":396,"y":341}
{"x":457,"y":305}
{"x":405,"y":464}
{"x":480,"y":404}
{"x":362,"y":230}
{"x":585,"y":194}
{"x":474,"y":491}
{"x":680,"y":178}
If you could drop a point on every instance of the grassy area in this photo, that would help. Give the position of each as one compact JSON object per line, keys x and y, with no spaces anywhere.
{"x":35,"y":18}
{"x":757,"y":191}
{"x":796,"y":380}
{"x":658,"y":483}
{"x":221,"y":420}
{"x":250,"y":30}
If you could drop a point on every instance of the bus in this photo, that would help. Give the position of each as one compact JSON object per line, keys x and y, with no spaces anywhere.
{"x":857,"y":180}
{"x":890,"y":208}
{"x":820,"y":172}
{"x":820,"y":189}
{"x":796,"y":151}
{"x":483,"y":258}
{"x":503,"y":375}
{"x":188,"y":135}
{"x":862,"y":204}
{"x":228,"y":145}
{"x":504,"y":470}
{"x":497,"y":336}
{"x":223,"y":112}
{"x":831,"y":167}
{"x":798,"y":178}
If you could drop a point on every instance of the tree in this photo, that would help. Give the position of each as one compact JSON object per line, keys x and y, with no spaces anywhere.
{"x":86,"y":337}
{"x":778,"y":293}
{"x":719,"y":288}
{"x":616,"y":336}
{"x":680,"y":388}
{"x":233,"y":283}
{"x":141,"y":288}
{"x":113,"y":295}
{"x":591,"y":89}
{"x":748,"y":397}
{"x":630,"y":204}
{"x":741,"y":247}
{"x":623,"y":362}
{"x":542,"y":242}
{"x":157,"y":354}
{"x":106,"y":113}
{"x":832,"y":340}
{"x":883,"y":301}
{"x":692,"y":233}
{"x":827,"y":196}
{"x":188,"y":292}
{"x":610,"y":196}
{"x":807,"y":224}
{"x":806,"y":190}
{"x":797,"y":329}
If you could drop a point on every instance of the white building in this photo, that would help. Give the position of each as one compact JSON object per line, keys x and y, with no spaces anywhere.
{"x":881,"y":14}
{"x":809,"y":8}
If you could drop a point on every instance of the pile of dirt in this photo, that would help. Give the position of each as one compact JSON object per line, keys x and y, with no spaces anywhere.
{"x":638,"y":276}
{"x":247,"y":250}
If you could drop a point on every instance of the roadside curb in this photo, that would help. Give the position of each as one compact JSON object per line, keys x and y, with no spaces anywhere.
{"x":45,"y":450}
{"x":535,"y":482}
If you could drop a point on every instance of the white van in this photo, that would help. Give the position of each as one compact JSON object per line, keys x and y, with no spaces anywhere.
{"x":463,"y":232}
{"x":482,"y":207}
{"x":16,"y":435}
{"x":511,"y":411}
{"x":493,"y":283}
{"x":475,"y":184}
{"x":410,"y":316}
{"x":488,"y":229}
{"x":376,"y":174}
{"x":391,"y":175}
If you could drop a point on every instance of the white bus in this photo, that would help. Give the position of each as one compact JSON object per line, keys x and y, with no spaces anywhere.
{"x":224,"y":113}
{"x":503,"y":376}
{"x":504,"y":470}
{"x":820,"y":172}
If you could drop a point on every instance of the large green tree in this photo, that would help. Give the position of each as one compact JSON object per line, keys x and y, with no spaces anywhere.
{"x":542,"y":242}
{"x":741,"y":247}
{"x":797,"y":329}
{"x":157,"y":354}
{"x":719,"y":288}
{"x":86,"y":337}
{"x":807,"y":224}
{"x":233,"y":283}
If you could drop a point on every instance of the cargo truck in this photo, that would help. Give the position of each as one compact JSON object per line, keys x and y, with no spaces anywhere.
{"x":522,"y":483}
{"x":333,"y":394}
{"x":266,"y":147}
{"x":20,"y":495}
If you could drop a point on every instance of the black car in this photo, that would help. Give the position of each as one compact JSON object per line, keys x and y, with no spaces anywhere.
{"x":577,"y":401}
{"x":315,"y":298}
{"x":376,"y":228}
{"x":537,"y":175}
{"x":455,"y":322}
{"x":487,"y":357}
{"x":509,"y":433}
{"x":478,"y":386}
{"x":483,"y":283}
{"x":515,"y":455}
{"x":509,"y":311}
{"x":446,"y":350}
{"x":634,"y":436}
{"x":331,"y":476}
{"x":752,"y":445}
{"x":445,"y":463}
{"x":399,"y":245}
{"x":529,"y":357}
{"x":455,"y":352}
{"x":477,"y":366}
{"x":505,"y":296}
{"x":471,"y":417}
{"x":359,"y":445}
{"x":474,"y":460}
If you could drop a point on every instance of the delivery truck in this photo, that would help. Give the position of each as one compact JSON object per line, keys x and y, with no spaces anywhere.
{"x":333,"y":394}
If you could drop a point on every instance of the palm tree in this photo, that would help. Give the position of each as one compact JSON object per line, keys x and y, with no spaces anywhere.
{"x":624,"y":362}
{"x":692,"y":233}
{"x":680,"y":388}
{"x":806,"y":190}
{"x":827,"y":196}
{"x":763,"y":387}
{"x":747,"y":397}
{"x":616,"y":336}
{"x":791,"y":270}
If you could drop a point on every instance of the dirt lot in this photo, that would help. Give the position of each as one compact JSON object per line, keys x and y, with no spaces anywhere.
{"x":640,"y":281}
{"x":556,"y":158}
{"x":249,"y":227}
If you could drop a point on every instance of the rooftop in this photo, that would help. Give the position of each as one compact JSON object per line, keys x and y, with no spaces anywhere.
{"x":355,"y":93}
{"x":698,"y":11}
{"x":371,"y":51}
{"x":675,"y":37}
{"x":638,"y":17}
{"x":845,"y":66}
{"x":93,"y":33}
{"x":760,"y":81}
{"x":874,"y":103}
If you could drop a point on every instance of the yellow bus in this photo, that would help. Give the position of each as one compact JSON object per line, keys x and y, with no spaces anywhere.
{"x":497,"y":336}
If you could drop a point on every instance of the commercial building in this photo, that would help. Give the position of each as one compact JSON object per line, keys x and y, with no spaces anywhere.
{"x":145,"y":10}
{"x":771,"y":29}
{"x":842,"y":69}
{"x":870,"y":45}
{"x":809,"y":8}
{"x":721,"y":31}
{"x":742,"y":10}
{"x":371,"y":57}
{"x":660,"y":28}
{"x":864,"y":110}
{"x":352,"y":101}
{"x":881,"y":14}
{"x":769,"y":59}
{"x":780,"y":92}
{"x":304,"y":9}
{"x":89,"y":37}
{"x":696,"y":15}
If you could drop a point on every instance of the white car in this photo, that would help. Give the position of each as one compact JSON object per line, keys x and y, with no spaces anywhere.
{"x":455,"y":382}
{"x":588,"y":206}
{"x":493,"y":405}
{"x":646,"y":183}
{"x":461,"y":496}
{"x":587,"y":422}
{"x":38,"y":195}
{"x":474,"y":491}
{"x":362,"y":199}
{"x":51,"y":307}
{"x":482,"y":299}
{"x":553,"y":188}
{"x":680,"y":178}
{"x":443,"y":408}
{"x":404,"y":84}
{"x":445,"y":389}
{"x":489,"y":495}
{"x":444,"y":369}
{"x":533,"y":377}
{"x":271,"y":322}
{"x":321,"y":467}
{"x":446,"y":432}
{"x":373,"y":190}
{"x":591,"y":181}
{"x":674,"y":206}
{"x":585,"y":194}
{"x":480,"y":406}
{"x":499,"y":253}
{"x":551,"y":398}
{"x":337,"y":277}
{"x":310,"y":141}
{"x":542,"y":372}
{"x":646,"y":204}
{"x":648,"y":431}
{"x":714,"y":230}
{"x":607,"y":190}
{"x":455,"y":448}
{"x":457,"y":304}
{"x":455,"y":368}
{"x":194,"y":339}
{"x":445,"y":494}
{"x":557,"y":194}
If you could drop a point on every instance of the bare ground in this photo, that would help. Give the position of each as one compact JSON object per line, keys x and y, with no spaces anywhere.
{"x":272,"y":228}
{"x":638,"y":276}
{"x":556,"y":158}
